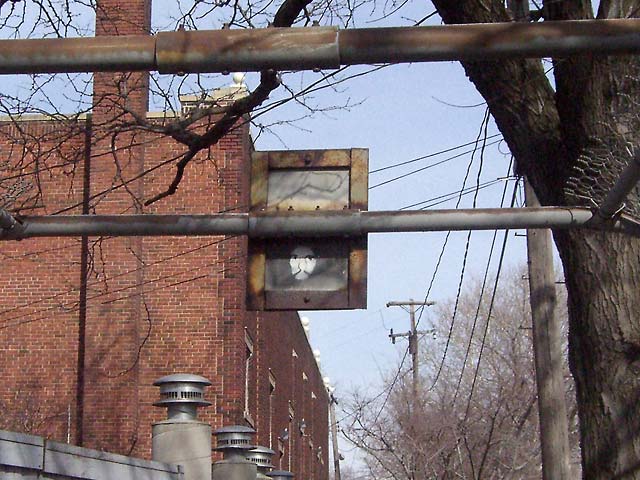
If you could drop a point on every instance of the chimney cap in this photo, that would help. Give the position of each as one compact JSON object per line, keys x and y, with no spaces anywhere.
{"x":234,"y":437}
{"x":234,"y":429}
{"x":182,"y":378}
{"x":261,"y":456}
{"x":182,"y":393}
{"x":264,"y":450}
{"x":280,"y":474}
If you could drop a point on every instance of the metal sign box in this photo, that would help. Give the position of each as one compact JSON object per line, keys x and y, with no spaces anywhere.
{"x":315,"y":273}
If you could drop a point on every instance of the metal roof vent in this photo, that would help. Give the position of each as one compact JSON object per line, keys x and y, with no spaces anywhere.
{"x":261,"y":456}
{"x":234,"y":441}
{"x":182,"y":394}
{"x":280,"y":475}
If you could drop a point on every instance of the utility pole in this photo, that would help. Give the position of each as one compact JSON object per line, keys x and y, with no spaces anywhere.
{"x":412,"y":335}
{"x":413,"y":338}
{"x":554,"y":436}
{"x":334,"y":434}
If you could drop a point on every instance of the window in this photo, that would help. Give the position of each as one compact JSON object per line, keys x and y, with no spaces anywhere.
{"x":249,"y":381}
{"x":272,"y":394}
{"x":292,"y":416}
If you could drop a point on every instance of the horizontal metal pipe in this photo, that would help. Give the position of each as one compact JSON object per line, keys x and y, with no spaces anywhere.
{"x":627,"y":181}
{"x":316,"y":47}
{"x":247,"y":50}
{"x":86,"y":54}
{"x":6,"y":220}
{"x":487,"y":41}
{"x":127,"y":225}
{"x":314,"y":224}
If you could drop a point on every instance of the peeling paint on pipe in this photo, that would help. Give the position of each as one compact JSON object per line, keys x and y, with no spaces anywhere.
{"x":247,"y":50}
{"x":313,"y":224}
{"x":98,"y":54}
{"x":316,"y":47}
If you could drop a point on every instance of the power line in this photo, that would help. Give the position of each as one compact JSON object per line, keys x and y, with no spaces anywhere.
{"x":464,"y":261}
{"x":430,"y":155}
{"x":453,"y":195}
{"x":481,"y":295}
{"x":413,"y":172}
{"x":491,"y":304}
{"x":386,"y":390}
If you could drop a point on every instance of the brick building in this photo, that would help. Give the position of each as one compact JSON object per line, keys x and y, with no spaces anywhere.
{"x":87,"y":324}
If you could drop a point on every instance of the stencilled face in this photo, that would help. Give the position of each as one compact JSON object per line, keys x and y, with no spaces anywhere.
{"x":302,"y":262}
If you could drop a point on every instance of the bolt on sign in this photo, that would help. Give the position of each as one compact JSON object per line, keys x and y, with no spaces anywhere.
{"x":308,"y":273}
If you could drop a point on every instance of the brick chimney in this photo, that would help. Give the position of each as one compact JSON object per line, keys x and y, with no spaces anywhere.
{"x":109,"y":372}
{"x":118,"y":17}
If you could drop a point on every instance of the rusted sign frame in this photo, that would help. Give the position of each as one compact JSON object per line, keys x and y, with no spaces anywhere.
{"x":355,"y":295}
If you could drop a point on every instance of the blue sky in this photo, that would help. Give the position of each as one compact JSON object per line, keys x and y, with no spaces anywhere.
{"x":400,"y":113}
{"x":406,"y":112}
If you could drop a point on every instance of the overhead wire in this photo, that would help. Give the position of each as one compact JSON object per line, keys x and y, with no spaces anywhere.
{"x":481,"y":296}
{"x":464,"y":262}
{"x":71,"y":304}
{"x":397,"y":376}
{"x":413,"y":172}
{"x":446,"y":197}
{"x":490,"y":310}
{"x":431,"y":155}
{"x":386,"y":390}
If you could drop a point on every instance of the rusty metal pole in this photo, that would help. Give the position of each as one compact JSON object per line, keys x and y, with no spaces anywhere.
{"x":627,"y":181}
{"x":547,"y":346}
{"x":316,"y":47}
{"x":314,"y":224}
{"x":7,"y":222}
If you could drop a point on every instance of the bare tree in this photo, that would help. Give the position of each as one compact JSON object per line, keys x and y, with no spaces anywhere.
{"x":124,"y":122}
{"x":473,"y":423}
{"x":571,"y":139}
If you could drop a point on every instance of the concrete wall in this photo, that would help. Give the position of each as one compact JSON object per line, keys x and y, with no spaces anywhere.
{"x":27,"y":457}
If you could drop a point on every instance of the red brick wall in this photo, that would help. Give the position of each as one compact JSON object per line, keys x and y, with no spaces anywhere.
{"x":88,"y":324}
{"x":39,"y":285}
{"x":152,"y":306}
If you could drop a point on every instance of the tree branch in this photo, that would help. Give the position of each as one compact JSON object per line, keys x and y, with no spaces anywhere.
{"x":521,"y":101}
{"x":269,"y":81}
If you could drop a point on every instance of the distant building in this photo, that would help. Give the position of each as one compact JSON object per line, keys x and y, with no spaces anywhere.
{"x":87,"y":325}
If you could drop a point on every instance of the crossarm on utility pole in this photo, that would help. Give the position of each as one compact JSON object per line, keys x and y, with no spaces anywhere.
{"x":413,"y":338}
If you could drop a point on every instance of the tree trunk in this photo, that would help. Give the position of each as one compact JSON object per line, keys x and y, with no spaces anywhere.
{"x":603,"y":282}
{"x":572,"y":144}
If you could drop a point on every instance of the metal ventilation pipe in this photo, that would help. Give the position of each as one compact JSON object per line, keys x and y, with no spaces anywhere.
{"x":181,"y":438}
{"x":234,"y":442}
{"x":261,"y":456}
{"x":280,"y":475}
